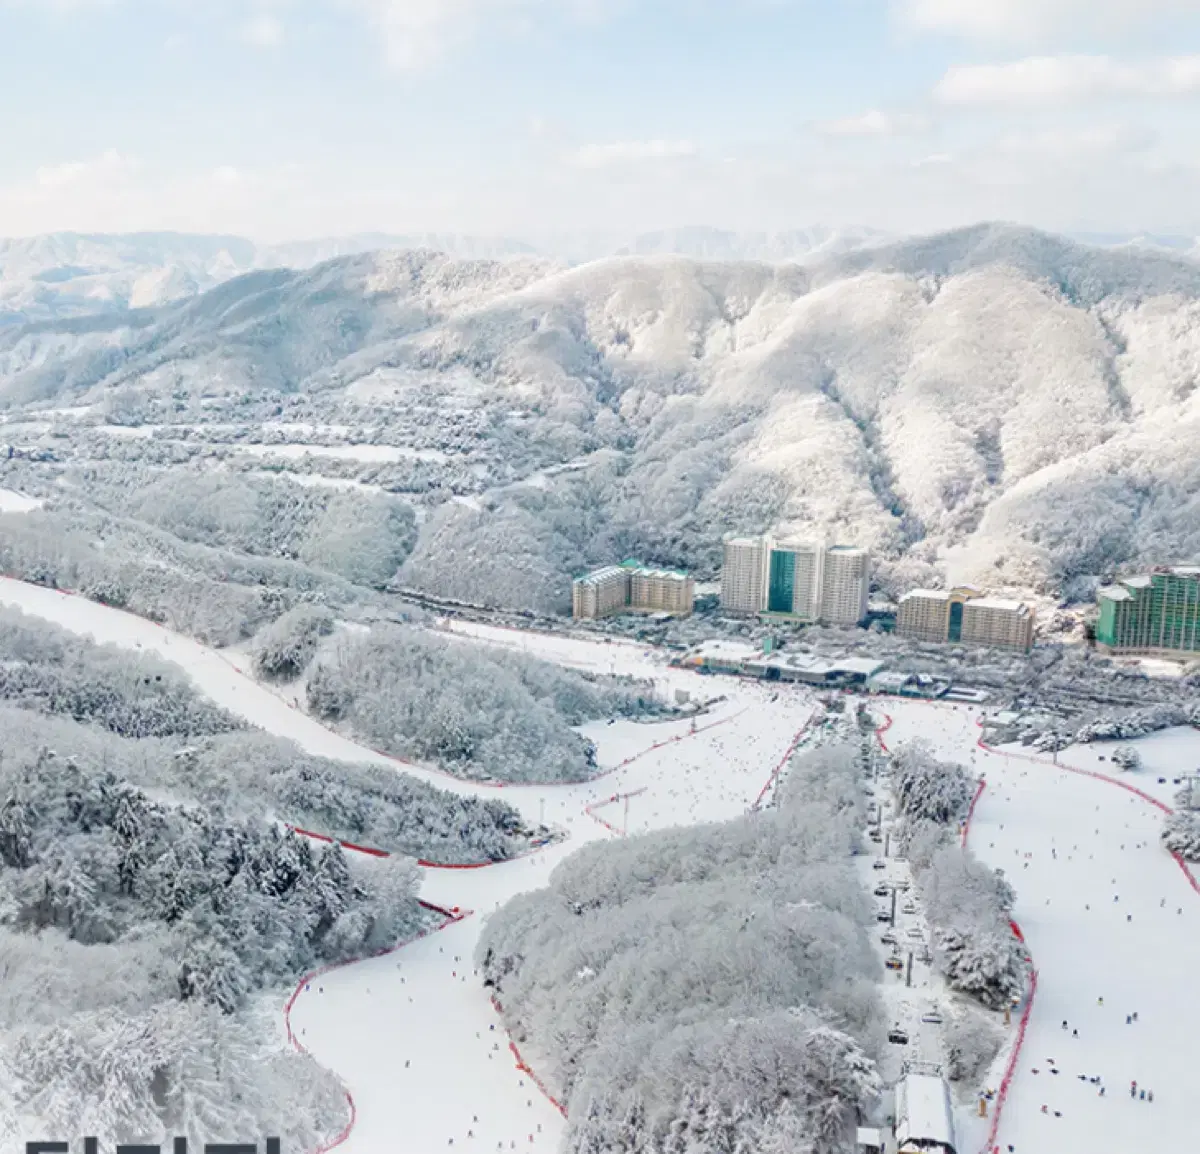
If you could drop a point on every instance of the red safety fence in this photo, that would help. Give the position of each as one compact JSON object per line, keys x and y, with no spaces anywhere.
{"x":990,"y":1146}
{"x":887,"y":724}
{"x":590,"y":810}
{"x":980,"y":786}
{"x":524,"y":1066}
{"x":781,"y":764}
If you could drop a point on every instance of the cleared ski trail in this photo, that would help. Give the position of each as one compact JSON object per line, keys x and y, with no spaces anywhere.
{"x":413,"y":1035}
{"x":1106,"y":913}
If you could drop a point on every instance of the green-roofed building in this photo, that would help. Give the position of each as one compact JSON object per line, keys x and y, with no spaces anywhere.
{"x":1156,"y":612}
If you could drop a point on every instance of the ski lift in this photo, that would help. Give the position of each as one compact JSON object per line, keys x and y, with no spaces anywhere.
{"x":897,"y":1036}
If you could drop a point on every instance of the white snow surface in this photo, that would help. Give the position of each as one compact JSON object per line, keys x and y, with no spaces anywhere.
{"x":1084,"y":857}
{"x":424,"y":1005}
{"x":14,"y":502}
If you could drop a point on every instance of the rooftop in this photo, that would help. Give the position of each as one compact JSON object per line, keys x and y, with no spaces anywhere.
{"x":1114,"y":593}
{"x":923,"y":1110}
{"x":997,"y":603}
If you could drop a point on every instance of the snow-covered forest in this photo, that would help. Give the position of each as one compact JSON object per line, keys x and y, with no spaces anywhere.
{"x":992,"y":404}
{"x":135,"y":933}
{"x":967,"y":904}
{"x":100,"y":707}
{"x":476,"y":712}
{"x":711,"y":988}
{"x":153,"y":907}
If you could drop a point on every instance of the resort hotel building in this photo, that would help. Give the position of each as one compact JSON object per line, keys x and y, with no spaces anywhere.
{"x":630,"y":587}
{"x":797,"y":579}
{"x":965,"y":616}
{"x":1158,"y":612}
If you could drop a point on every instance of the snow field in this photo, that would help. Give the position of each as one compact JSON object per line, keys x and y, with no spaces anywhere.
{"x":424,"y":1005}
{"x":13,"y":502}
{"x":1106,"y":913}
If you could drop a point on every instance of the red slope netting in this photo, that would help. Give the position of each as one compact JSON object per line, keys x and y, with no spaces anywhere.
{"x":526,"y":1069}
{"x":451,"y":917}
{"x":616,"y":797}
{"x":980,"y":786}
{"x":779,"y":767}
{"x":990,"y":1147}
{"x":1018,"y":1042}
{"x":887,"y":724}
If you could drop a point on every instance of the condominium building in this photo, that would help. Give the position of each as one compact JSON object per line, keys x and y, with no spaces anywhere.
{"x":743,"y":576}
{"x":965,"y":615}
{"x":600,"y":593}
{"x":845,"y":585}
{"x":1157,"y":612}
{"x":802,"y":580}
{"x":632,"y":587}
{"x":661,"y":591}
{"x":933,"y":614}
{"x":997,"y":622}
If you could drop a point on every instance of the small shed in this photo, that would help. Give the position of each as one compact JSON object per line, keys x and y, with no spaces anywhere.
{"x":869,"y":1141}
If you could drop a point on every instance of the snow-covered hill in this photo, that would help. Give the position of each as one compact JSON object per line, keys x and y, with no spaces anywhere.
{"x":993,"y":403}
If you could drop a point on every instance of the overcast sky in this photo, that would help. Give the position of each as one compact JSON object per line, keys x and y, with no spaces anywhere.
{"x":292,"y":118}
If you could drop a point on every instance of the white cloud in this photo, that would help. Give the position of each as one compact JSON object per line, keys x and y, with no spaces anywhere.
{"x":875,"y":123}
{"x":630,"y":151}
{"x":1034,"y":21}
{"x":263,"y":31}
{"x":1037,"y":79}
{"x":108,"y":168}
{"x":416,"y":31}
{"x":1095,"y":141}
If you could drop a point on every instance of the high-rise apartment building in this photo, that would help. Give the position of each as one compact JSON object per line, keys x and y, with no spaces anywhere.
{"x":965,"y":615}
{"x":617,"y":588}
{"x":798,"y":579}
{"x":743,"y":575}
{"x":794,"y":576}
{"x":845,"y":585}
{"x":1157,"y":612}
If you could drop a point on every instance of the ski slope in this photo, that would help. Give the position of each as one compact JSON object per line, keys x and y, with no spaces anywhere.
{"x":1107,"y":914}
{"x":413,"y":1035}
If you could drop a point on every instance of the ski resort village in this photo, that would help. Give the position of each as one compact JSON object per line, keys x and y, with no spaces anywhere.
{"x":746,"y":894}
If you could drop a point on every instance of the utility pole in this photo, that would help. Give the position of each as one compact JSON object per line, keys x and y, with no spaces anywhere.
{"x":887,"y":845}
{"x":894,"y":915}
{"x":908,"y":974}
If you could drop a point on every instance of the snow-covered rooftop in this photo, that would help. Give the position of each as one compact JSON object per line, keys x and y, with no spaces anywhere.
{"x":997,"y":603}
{"x":923,"y":1113}
{"x":925,"y":595}
{"x":1114,"y":593}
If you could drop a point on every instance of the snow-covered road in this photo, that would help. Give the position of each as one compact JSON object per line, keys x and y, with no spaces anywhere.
{"x":413,"y":1034}
{"x":1107,"y":914}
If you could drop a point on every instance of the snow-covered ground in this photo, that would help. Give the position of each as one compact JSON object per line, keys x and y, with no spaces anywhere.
{"x":1107,"y":914}
{"x":373,"y":453}
{"x":14,"y":502}
{"x":421,"y":1005}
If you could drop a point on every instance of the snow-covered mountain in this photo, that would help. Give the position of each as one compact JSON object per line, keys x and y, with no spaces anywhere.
{"x":70,"y":274}
{"x":993,"y":404}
